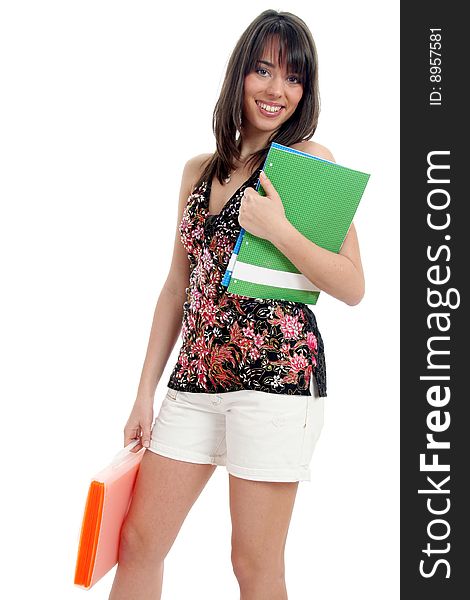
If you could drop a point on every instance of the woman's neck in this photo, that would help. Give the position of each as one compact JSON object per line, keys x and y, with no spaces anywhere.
{"x":252,"y":141}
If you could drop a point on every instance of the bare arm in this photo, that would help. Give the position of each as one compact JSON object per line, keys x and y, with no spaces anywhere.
{"x":167,"y":318}
{"x":339,"y":274}
{"x":166,"y":328}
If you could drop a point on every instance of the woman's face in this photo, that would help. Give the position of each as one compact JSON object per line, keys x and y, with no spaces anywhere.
{"x":269,"y":84}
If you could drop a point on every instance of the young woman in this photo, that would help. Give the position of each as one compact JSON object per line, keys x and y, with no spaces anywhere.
{"x":248,"y":388}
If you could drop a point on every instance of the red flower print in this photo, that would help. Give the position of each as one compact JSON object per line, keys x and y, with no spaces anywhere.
{"x":210,"y":288}
{"x":191,"y":322}
{"x":206,"y":261}
{"x":231,"y":341}
{"x":201,"y":376}
{"x":258,"y":339}
{"x":218,"y":371}
{"x":200,"y":348}
{"x":209,"y":312}
{"x":198,"y":233}
{"x":312,"y":342}
{"x":249,"y":331}
{"x":184,"y":361}
{"x":298,"y":363}
{"x":196,"y":300}
{"x":291,"y":327}
{"x":240,"y":341}
{"x":200,"y":274}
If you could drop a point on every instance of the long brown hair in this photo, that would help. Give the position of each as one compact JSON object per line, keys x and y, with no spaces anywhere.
{"x":297,"y":46}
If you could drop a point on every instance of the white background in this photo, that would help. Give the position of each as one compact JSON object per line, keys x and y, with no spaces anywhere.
{"x":102,"y":103}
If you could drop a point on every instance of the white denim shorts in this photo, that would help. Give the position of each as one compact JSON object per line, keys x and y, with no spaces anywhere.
{"x":255,"y":435}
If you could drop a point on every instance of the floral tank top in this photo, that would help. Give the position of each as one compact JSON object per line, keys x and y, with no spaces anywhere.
{"x":232,"y":342}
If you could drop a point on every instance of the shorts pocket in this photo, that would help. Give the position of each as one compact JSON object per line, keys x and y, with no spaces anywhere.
{"x":314,"y":416}
{"x":172,"y":394}
{"x":307,"y":408}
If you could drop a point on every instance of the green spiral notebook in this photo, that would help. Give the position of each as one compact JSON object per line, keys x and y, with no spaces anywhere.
{"x":320,"y":199}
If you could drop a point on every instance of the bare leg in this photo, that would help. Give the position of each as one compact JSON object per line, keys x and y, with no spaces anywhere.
{"x":164,"y":493}
{"x":261,"y":513}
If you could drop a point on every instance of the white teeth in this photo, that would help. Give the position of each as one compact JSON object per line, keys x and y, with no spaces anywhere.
{"x":269,"y":108}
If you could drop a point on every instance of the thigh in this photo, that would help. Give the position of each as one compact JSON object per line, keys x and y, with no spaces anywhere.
{"x":265,"y":433}
{"x":261,"y":512}
{"x":190,"y":426}
{"x":164,"y":492}
{"x":271,"y":437}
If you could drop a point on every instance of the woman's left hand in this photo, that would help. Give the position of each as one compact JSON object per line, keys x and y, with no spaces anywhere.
{"x":261,"y":215}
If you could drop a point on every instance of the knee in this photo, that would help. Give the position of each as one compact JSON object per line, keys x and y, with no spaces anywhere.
{"x":251,"y":567}
{"x":135,"y":546}
{"x":130,"y":544}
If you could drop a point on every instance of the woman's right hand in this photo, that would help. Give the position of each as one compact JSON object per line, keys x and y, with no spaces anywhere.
{"x":139,"y":424}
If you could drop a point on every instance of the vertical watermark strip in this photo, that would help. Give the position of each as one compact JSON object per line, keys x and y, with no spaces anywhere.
{"x":434,"y":290}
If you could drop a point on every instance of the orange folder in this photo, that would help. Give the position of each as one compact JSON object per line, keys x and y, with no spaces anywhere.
{"x":107,"y":503}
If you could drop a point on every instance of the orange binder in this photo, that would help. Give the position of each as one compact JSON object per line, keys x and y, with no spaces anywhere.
{"x":107,"y":503}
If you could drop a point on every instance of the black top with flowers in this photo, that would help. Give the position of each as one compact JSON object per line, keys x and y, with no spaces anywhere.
{"x":233,"y":342}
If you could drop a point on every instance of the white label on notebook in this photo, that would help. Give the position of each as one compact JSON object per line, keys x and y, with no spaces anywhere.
{"x":263,"y":276}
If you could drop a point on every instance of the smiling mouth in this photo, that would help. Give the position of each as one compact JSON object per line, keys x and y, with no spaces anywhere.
{"x":269,"y":111}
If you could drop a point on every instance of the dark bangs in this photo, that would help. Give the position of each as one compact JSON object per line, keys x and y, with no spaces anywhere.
{"x":291,"y":50}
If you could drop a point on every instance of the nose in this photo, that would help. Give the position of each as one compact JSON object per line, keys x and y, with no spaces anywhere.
{"x":274,"y":85}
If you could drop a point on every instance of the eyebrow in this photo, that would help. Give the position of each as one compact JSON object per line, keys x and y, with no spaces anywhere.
{"x":266,"y":62}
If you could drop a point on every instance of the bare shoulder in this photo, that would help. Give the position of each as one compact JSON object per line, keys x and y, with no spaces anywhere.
{"x":314,"y":148}
{"x":194,"y":168}
{"x":197,"y":162}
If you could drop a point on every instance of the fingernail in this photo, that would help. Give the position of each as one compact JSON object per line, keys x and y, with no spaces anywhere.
{"x":263,"y":174}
